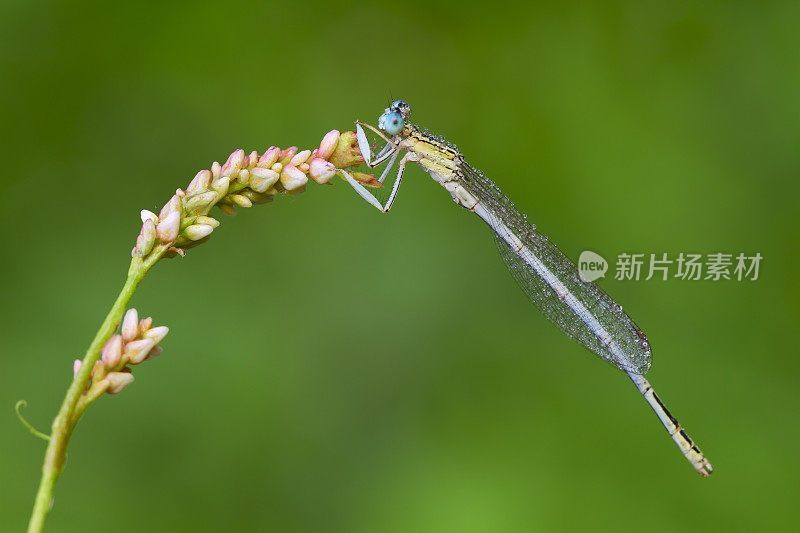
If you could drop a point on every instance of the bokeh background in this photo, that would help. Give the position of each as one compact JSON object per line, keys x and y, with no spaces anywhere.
{"x":330,"y":368}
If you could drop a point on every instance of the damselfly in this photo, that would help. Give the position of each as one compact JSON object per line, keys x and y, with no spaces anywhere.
{"x":581,"y":309}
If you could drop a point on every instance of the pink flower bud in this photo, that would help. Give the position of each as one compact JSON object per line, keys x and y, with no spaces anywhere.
{"x":76,"y":366}
{"x":292,"y":178}
{"x":234,"y":163}
{"x":136,"y":351}
{"x":174,"y":204}
{"x":118,"y":381}
{"x":251,"y":160}
{"x":216,"y":170}
{"x":167,"y":229}
{"x":200,"y":182}
{"x":286,"y":155}
{"x":145,"y":324}
{"x":130,"y":325}
{"x":269,"y":157}
{"x":321,"y":171}
{"x":112,"y":351}
{"x":300,"y":158}
{"x":328,"y":144}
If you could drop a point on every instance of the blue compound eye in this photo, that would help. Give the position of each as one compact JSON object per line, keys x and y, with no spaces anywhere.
{"x":393,"y":123}
{"x":402,"y":107}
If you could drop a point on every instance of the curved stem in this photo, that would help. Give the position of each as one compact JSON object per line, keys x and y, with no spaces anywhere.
{"x":35,"y":432}
{"x":67,"y":416}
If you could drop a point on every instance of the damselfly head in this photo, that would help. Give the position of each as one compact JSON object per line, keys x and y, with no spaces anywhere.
{"x":393,"y":119}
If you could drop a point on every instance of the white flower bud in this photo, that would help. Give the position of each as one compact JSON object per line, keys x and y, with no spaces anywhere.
{"x":148,"y":215}
{"x":208,"y":221}
{"x":157,"y":334}
{"x":146,"y":238}
{"x":292,"y":178}
{"x":118,"y":381}
{"x":76,"y":366}
{"x":241,"y":201}
{"x":139,"y":248}
{"x":201,"y":202}
{"x":263,"y":178}
{"x":196,"y":232}
{"x":321,"y":171}
{"x":221,"y":186}
{"x":136,"y":351}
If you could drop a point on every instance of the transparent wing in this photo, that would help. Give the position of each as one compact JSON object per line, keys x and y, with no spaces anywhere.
{"x":630,"y":350}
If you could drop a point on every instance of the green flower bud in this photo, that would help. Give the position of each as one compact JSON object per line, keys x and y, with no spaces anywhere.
{"x":202,"y":202}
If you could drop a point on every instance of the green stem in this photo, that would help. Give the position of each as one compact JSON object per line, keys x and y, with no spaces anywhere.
{"x":68,"y":416}
{"x":35,"y":432}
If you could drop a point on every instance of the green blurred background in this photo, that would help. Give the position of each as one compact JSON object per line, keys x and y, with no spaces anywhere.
{"x":334,"y":369}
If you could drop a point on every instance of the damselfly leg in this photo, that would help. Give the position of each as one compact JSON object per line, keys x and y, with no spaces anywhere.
{"x":368,"y":196}
{"x":389,"y":152}
{"x":366,"y":149}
